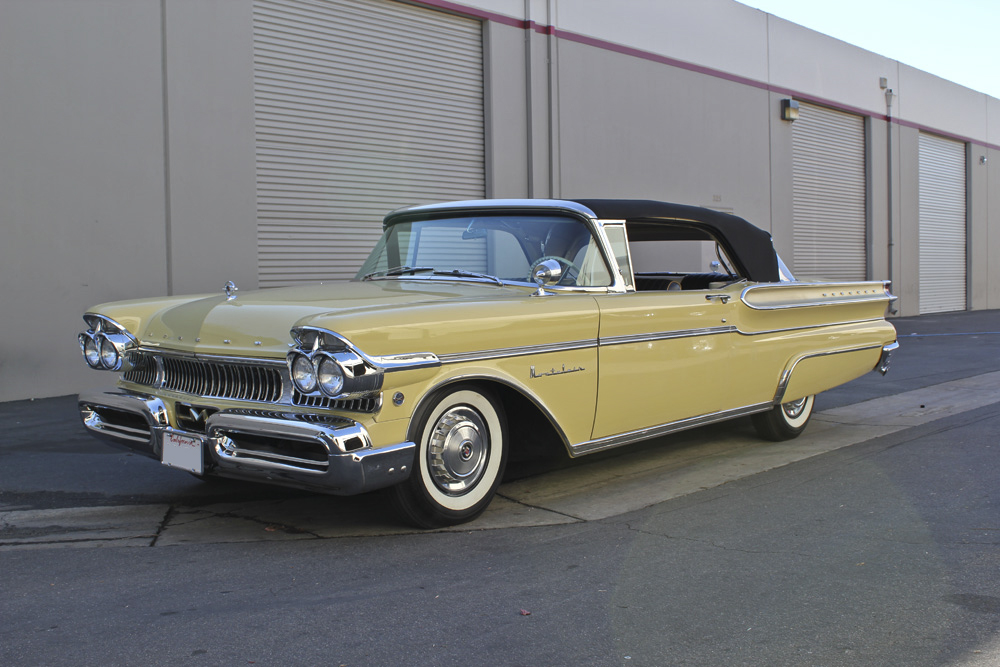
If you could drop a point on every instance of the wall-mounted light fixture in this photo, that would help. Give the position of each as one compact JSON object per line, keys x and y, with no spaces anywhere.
{"x":789,"y":109}
{"x":982,"y":159}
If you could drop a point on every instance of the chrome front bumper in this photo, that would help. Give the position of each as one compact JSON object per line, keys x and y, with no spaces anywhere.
{"x":329,"y":454}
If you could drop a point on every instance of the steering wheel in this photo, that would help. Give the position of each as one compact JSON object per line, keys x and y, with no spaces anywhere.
{"x":569,"y":275}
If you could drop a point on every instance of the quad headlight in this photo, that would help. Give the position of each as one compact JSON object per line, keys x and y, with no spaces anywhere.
{"x":335,"y":373}
{"x":330,"y":376}
{"x":303,"y":373}
{"x":106,"y":344}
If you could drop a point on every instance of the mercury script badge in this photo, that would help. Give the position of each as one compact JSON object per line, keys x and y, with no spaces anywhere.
{"x":231,"y":290}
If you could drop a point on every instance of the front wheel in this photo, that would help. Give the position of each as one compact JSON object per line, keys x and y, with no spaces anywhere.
{"x":461,"y":437}
{"x":785,"y":421}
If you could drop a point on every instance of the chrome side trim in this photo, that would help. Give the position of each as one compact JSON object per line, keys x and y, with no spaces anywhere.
{"x":786,"y":375}
{"x":527,"y":350}
{"x":621,"y":439}
{"x":877,"y":295}
{"x":407,"y":362}
{"x":665,"y":335}
{"x":824,"y":325}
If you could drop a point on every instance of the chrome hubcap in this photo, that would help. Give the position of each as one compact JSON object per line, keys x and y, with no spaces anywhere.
{"x":458,"y":449}
{"x":794,"y":408}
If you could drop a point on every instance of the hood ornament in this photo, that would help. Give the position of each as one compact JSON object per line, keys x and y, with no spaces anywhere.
{"x":231,"y":290}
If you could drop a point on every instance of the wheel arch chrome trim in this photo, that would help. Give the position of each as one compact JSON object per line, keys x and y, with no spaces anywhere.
{"x":480,"y":378}
{"x":786,"y":375}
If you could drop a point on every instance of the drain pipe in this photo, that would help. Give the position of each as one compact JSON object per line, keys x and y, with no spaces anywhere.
{"x":888,"y":117}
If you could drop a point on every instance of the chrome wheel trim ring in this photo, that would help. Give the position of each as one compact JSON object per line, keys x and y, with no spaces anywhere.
{"x":458,"y":450}
{"x":793,"y":409}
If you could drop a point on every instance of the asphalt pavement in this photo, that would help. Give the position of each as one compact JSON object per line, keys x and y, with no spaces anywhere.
{"x":873,"y":541}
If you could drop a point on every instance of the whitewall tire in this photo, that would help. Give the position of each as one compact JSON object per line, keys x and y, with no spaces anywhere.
{"x":785,"y":421}
{"x":461,"y":453}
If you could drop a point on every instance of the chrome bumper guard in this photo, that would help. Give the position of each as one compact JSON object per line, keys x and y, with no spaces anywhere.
{"x":883,"y":361}
{"x":329,"y":454}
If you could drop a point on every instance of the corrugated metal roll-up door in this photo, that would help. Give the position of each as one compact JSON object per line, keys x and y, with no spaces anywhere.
{"x":829,"y":194}
{"x":361,"y":106}
{"x":942,"y":224}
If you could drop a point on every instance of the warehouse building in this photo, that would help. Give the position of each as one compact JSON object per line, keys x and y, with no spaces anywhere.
{"x":154,"y":147}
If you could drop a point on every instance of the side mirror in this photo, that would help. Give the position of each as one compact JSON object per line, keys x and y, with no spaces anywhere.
{"x":545,"y":273}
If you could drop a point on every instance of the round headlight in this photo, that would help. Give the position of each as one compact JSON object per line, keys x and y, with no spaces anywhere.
{"x":109,"y":354}
{"x":330,"y":376}
{"x":303,"y":374}
{"x":90,"y":351}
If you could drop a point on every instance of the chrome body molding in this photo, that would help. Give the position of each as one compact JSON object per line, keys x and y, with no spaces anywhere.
{"x":524,"y":351}
{"x":255,"y":361}
{"x":404,"y":362}
{"x":621,"y":439}
{"x":852,"y":295}
{"x":330,"y":454}
{"x":665,"y":335}
{"x":764,"y":332}
{"x":786,"y":375}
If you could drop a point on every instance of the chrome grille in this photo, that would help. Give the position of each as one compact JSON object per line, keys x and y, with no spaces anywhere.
{"x":236,"y":381}
{"x":143,"y":370}
{"x":216,"y":379}
{"x":242,"y":382}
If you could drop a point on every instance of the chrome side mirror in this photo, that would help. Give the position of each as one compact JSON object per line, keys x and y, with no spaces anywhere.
{"x":545,"y":273}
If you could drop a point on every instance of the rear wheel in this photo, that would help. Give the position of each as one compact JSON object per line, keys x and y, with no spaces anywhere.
{"x":461,"y":454}
{"x":785,"y":421}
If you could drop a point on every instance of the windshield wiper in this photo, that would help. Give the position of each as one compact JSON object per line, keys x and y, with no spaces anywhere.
{"x":459,"y":273}
{"x":398,"y":271}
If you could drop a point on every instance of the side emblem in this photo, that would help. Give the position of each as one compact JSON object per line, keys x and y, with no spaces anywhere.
{"x":534,"y":374}
{"x":231,"y":290}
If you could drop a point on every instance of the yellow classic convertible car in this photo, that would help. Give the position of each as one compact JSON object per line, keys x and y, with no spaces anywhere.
{"x":475,"y":329}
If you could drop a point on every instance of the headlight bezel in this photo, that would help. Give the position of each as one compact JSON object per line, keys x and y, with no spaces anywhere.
{"x":106,"y":345}
{"x":349,"y":374}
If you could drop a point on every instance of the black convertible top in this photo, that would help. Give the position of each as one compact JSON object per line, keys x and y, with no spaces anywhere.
{"x":748,"y":246}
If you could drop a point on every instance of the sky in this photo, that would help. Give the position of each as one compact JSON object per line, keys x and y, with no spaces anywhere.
{"x":958,"y":40}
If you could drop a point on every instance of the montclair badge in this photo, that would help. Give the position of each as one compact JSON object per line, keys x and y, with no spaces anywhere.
{"x":553,"y":371}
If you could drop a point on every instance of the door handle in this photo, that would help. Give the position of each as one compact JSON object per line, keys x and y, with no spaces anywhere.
{"x":724,"y":298}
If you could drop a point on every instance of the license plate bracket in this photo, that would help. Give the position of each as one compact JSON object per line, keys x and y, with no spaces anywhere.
{"x":183,"y":452}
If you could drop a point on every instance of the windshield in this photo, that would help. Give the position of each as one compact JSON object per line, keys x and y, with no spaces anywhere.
{"x":495,"y":247}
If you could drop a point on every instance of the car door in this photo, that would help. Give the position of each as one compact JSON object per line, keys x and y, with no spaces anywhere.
{"x":664,"y":356}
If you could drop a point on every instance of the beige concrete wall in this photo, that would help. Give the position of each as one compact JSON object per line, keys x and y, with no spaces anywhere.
{"x":81,"y":178}
{"x":993,"y":228}
{"x":113,"y":185}
{"x":978,"y":264}
{"x":906,"y":283}
{"x":676,"y":136}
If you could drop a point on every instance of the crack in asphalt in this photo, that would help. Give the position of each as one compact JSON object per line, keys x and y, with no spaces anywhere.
{"x":542,"y":508}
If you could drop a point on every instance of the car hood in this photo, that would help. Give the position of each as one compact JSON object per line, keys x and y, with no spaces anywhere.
{"x":258,"y":323}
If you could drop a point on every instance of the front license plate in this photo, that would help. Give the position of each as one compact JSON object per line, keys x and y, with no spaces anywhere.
{"x":182,"y":451}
